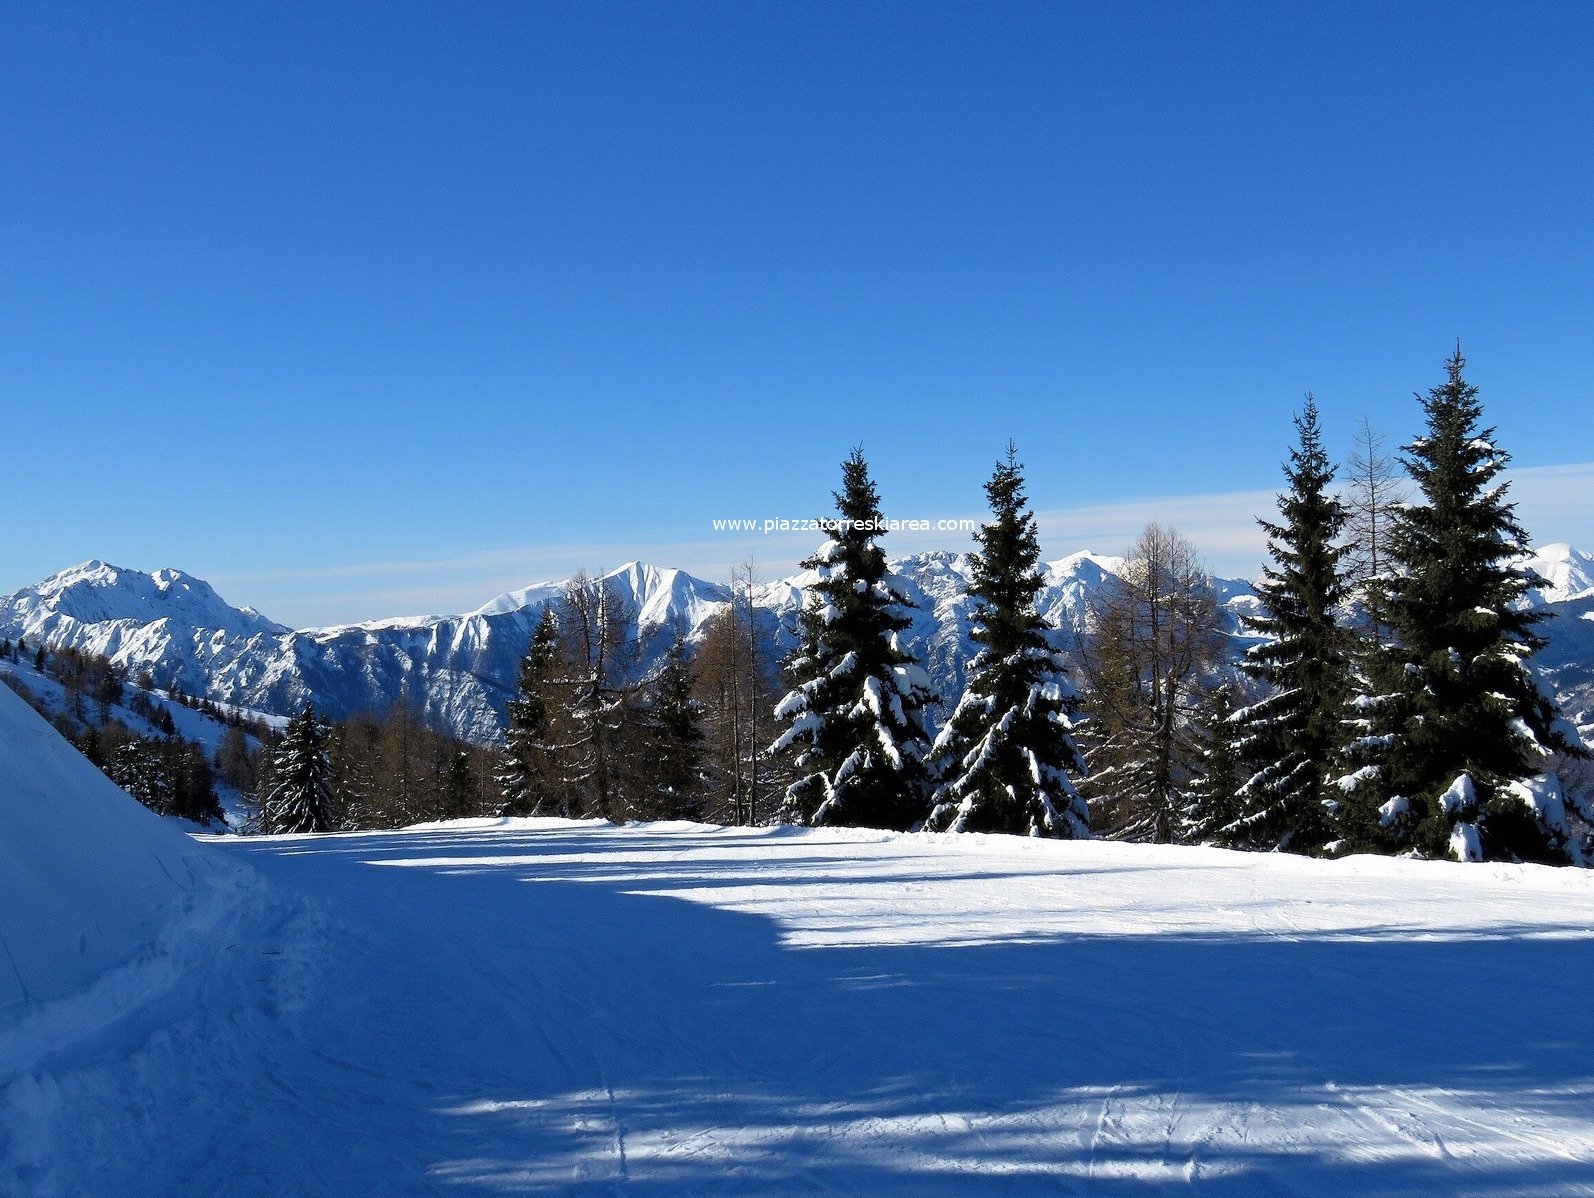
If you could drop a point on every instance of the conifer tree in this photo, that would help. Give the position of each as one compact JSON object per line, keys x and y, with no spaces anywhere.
{"x":855,"y":711}
{"x":1453,"y":724}
{"x":1296,"y":731}
{"x":301,"y":796}
{"x":1220,"y":770}
{"x":673,"y":741}
{"x":1005,"y":756}
{"x":524,"y":775}
{"x":459,"y":798}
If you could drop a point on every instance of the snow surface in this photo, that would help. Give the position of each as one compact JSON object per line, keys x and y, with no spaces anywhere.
{"x":88,"y":876}
{"x":559,"y":1006}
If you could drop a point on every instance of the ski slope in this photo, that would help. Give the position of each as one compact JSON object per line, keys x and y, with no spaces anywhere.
{"x":556,"y":1006}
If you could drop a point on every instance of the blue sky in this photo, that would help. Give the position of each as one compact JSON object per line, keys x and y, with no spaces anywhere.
{"x":358,"y":310}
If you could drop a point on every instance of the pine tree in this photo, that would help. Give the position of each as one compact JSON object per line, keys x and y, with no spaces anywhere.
{"x":673,"y":741}
{"x":1221,"y":769}
{"x":1005,"y":756}
{"x":855,"y":711}
{"x":1296,"y":732}
{"x":1453,"y":724}
{"x":301,"y":796}
{"x":524,"y":775}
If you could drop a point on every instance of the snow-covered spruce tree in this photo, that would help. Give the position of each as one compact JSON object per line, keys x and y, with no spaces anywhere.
{"x":1005,"y":757}
{"x":523,"y":772}
{"x":300,"y":799}
{"x":855,"y":711}
{"x":1296,"y":732}
{"x":672,"y":736}
{"x":1453,"y":724}
{"x":1220,"y":770}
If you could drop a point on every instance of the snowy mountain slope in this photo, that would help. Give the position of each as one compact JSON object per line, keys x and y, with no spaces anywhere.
{"x":132,"y":959}
{"x":88,"y":877}
{"x":99,"y":594}
{"x":189,"y":724}
{"x":561,"y":1007}
{"x":460,"y":670}
{"x":1569,"y":572}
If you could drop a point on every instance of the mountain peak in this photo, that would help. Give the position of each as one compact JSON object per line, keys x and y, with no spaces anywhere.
{"x":1568,"y":572}
{"x":96,"y":591}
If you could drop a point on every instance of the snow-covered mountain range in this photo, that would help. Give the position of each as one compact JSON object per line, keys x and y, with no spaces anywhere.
{"x":459,"y":670}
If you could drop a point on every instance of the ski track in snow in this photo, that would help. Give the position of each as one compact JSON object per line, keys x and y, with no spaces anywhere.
{"x":566,"y":1007}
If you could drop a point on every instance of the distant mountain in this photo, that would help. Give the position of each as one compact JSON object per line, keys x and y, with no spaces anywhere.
{"x":1569,"y":573}
{"x":459,"y":671}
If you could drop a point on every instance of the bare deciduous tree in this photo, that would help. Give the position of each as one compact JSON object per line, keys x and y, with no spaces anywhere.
{"x":1153,"y":636}
{"x":738,"y":684}
{"x":1375,"y":487}
{"x":595,"y":701}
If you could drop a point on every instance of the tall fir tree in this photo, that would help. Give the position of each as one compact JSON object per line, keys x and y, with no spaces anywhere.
{"x":1005,"y":757}
{"x":524,"y":776}
{"x":855,"y":711}
{"x":1453,"y":724}
{"x":1221,"y":769}
{"x":300,"y":799}
{"x":1296,"y":732}
{"x":673,"y":741}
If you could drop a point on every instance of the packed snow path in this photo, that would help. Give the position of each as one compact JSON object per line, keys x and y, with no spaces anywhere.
{"x":573,"y":1007}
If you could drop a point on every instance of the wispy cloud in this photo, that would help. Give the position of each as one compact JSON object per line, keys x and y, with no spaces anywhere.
{"x":1556,"y":503}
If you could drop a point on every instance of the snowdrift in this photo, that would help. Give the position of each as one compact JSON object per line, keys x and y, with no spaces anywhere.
{"x":88,"y":876}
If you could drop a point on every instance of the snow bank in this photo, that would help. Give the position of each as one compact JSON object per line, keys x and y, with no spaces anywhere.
{"x":88,"y":876}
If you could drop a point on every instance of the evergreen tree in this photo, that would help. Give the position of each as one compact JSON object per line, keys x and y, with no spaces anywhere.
{"x":301,"y":796}
{"x":523,"y":775}
{"x":1453,"y":724}
{"x":1296,"y":732}
{"x":1005,"y":756}
{"x":1221,"y":769}
{"x":855,"y":711}
{"x":673,"y":741}
{"x":459,"y":797}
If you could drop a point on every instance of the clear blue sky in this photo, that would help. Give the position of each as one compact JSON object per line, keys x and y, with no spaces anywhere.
{"x":358,"y":309}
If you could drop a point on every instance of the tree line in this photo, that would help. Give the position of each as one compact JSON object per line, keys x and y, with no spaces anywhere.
{"x":166,"y":772}
{"x":589,"y":733}
{"x":1388,"y":704}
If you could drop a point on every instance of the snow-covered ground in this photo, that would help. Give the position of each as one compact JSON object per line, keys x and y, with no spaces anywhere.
{"x":557,"y":1006}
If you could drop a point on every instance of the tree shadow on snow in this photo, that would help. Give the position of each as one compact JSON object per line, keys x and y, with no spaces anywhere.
{"x":735,"y":1061}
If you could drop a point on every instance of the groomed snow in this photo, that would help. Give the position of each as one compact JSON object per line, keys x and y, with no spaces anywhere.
{"x":557,"y":1006}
